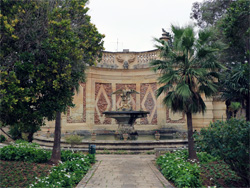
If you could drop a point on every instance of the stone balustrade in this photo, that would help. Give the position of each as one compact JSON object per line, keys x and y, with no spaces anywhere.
{"x":127,"y":60}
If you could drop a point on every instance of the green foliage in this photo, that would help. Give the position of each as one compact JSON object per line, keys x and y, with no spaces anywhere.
{"x":188,"y":68}
{"x":234,"y":107}
{"x":24,"y":151}
{"x":204,"y":157}
{"x":228,"y":140}
{"x":208,"y":12}
{"x":174,"y":167}
{"x":2,"y":138}
{"x":45,"y":46}
{"x":219,"y":174}
{"x":68,"y":173}
{"x":15,"y":132}
{"x":73,"y":139}
{"x":197,"y":66}
{"x":21,"y":174}
{"x":68,"y":155}
{"x":238,"y":32}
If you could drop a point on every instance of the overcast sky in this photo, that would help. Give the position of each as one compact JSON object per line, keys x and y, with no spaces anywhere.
{"x":134,"y":23}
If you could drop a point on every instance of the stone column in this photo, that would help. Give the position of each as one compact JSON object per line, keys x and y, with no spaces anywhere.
{"x":90,"y":101}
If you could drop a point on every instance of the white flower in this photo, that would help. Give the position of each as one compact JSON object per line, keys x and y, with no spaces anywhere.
{"x":67,"y":175}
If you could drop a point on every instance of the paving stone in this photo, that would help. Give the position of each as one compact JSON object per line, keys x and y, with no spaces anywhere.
{"x":125,"y":171}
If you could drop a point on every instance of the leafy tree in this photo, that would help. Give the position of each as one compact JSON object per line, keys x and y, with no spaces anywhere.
{"x":208,"y":12}
{"x":236,"y":30}
{"x":187,"y":70}
{"x":76,"y":41}
{"x":230,"y":21}
{"x":23,"y":28}
{"x":42,"y":67}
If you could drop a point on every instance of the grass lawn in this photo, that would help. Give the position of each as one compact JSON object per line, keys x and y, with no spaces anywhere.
{"x":21,"y":174}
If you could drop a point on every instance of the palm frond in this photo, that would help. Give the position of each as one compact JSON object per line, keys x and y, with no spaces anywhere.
{"x":183,"y":90}
{"x":163,"y":89}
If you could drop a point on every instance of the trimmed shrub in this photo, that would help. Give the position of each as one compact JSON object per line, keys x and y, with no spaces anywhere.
{"x":73,"y":139}
{"x":228,"y":140}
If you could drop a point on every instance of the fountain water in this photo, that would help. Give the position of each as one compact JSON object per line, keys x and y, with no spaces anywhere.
{"x":125,"y":115}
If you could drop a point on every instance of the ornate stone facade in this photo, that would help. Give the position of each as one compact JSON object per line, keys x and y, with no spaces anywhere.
{"x":120,"y":70}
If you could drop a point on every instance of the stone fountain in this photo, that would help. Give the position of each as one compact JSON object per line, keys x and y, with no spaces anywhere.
{"x":125,"y":115}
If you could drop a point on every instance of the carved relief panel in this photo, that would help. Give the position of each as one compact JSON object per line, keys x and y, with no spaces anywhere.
{"x":103,"y":102}
{"x":148,"y":102}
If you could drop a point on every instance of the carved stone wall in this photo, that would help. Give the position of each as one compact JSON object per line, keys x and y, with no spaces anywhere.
{"x":103,"y":102}
{"x":120,"y":70}
{"x":148,"y":102}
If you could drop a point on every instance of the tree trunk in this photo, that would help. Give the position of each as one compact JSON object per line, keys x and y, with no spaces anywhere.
{"x":6,"y":134}
{"x":229,"y":114}
{"x":248,"y":107}
{"x":30,"y":136}
{"x":56,"y":152}
{"x":191,"y":148}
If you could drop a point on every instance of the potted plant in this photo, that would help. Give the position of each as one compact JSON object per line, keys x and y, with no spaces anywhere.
{"x":157,"y":135}
{"x":93,"y":136}
{"x":48,"y":133}
{"x":125,"y":136}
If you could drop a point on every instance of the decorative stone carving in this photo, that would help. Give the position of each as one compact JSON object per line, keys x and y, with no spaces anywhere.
{"x":103,"y":102}
{"x":125,"y":95}
{"x":132,"y":98}
{"x":127,"y":60}
{"x":148,"y":103}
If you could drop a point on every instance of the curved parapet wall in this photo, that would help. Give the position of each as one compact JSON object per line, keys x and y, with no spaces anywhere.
{"x":127,"y":70}
{"x":127,"y":60}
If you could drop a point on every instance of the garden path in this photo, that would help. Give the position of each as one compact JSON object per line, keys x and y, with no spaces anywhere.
{"x":124,"y":171}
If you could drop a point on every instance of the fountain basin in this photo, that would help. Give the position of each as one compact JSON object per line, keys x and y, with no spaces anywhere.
{"x":125,"y":117}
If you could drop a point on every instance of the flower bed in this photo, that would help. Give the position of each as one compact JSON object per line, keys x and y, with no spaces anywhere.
{"x":67,"y":174}
{"x":210,"y":171}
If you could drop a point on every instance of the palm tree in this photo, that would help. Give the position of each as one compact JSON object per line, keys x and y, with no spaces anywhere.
{"x":234,"y":107}
{"x":187,"y":68}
